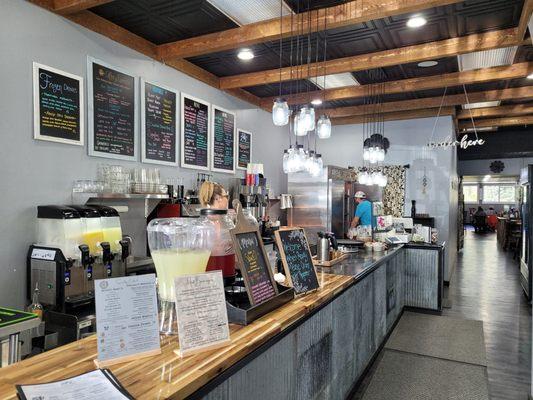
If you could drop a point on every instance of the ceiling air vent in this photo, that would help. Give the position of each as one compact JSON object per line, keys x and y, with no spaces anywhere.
{"x":486,"y":59}
{"x":250,"y":11}
{"x":335,"y":81}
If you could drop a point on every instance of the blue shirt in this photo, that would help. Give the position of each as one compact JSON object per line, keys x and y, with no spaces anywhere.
{"x":364,"y":212}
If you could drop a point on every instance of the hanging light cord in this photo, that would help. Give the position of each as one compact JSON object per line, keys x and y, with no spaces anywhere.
{"x":280,"y":41}
{"x":438,"y":113}
{"x":470,"y":112}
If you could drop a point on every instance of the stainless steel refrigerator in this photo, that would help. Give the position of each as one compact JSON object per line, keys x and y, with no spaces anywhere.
{"x":326,"y":202}
{"x":526,"y":276}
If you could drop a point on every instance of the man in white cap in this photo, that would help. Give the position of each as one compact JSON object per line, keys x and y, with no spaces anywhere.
{"x":363,"y":212}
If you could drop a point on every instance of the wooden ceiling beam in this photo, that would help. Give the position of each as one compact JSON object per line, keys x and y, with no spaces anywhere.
{"x":65,"y":7}
{"x":500,"y":111}
{"x":351,"y":13}
{"x":395,"y":116}
{"x":493,"y":122}
{"x":527,"y":10}
{"x":402,"y":55}
{"x":432,"y":102}
{"x":413,"y":84}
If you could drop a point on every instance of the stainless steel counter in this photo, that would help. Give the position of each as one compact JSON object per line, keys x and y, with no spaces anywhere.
{"x":362,"y":263}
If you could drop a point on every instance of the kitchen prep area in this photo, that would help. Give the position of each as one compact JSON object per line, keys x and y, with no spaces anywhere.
{"x":269,"y":199}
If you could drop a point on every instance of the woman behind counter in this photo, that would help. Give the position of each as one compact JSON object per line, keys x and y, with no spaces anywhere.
{"x":213,"y":195}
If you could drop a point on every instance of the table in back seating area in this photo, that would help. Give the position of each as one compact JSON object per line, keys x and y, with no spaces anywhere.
{"x":508,"y":233}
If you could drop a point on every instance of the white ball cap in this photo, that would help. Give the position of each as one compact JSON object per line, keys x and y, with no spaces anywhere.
{"x":360,"y":195}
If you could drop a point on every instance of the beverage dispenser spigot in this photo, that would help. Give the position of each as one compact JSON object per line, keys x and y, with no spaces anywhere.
{"x":126,"y":249}
{"x":107,"y":258}
{"x":87,"y":261}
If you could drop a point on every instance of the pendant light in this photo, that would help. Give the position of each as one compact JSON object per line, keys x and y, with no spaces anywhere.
{"x":280,"y":108}
{"x":280,"y":112}
{"x":323,"y":128}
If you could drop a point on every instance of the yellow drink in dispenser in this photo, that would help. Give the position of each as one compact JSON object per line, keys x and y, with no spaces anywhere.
{"x":170,"y":263}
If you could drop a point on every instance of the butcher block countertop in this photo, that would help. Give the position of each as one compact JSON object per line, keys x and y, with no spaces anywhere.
{"x":167,"y":375}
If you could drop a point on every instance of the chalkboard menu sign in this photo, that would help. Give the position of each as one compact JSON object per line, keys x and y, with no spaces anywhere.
{"x":223,"y":146}
{"x":194,"y":132}
{"x":112,"y":111}
{"x":244,"y":148}
{"x":254,"y":265}
{"x":57,"y":105}
{"x":296,"y":259}
{"x":158,"y":124}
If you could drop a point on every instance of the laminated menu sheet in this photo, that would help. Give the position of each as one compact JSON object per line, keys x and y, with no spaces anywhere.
{"x":202,"y":314}
{"x":126,"y":319}
{"x":95,"y":385}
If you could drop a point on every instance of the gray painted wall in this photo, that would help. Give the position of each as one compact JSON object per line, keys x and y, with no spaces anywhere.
{"x":408,"y":140}
{"x":37,"y":172}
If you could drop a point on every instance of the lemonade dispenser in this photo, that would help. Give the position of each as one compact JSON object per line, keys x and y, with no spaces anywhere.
{"x":111,"y":227}
{"x":92,"y":232}
{"x":61,"y":227}
{"x":179,"y":246}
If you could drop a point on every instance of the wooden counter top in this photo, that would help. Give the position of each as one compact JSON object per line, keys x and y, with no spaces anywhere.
{"x":166,"y":375}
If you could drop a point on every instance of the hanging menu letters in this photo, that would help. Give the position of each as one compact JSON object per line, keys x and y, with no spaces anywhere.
{"x":254,"y":267}
{"x":296,"y":258}
{"x":194,"y":133}
{"x":158,"y":124}
{"x":223,"y":151}
{"x":244,"y":148}
{"x":57,"y":105}
{"x":112,"y":112}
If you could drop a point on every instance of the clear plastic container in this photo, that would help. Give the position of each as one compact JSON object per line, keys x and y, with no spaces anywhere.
{"x":61,"y":227}
{"x":92,"y":232}
{"x":223,"y":253}
{"x":111,"y":227}
{"x":179,"y":246}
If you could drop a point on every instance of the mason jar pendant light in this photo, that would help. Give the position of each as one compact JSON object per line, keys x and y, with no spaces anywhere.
{"x":323,"y":128}
{"x":280,"y":112}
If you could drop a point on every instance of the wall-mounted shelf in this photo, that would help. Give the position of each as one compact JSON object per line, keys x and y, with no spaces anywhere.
{"x":140,"y":196}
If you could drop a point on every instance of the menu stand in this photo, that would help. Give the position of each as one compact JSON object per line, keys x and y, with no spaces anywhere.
{"x":245,"y":316}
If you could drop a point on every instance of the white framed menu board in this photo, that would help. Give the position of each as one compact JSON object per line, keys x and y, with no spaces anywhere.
{"x":159,"y":124}
{"x":195,"y":138}
{"x":112,"y":94}
{"x":223,"y":126}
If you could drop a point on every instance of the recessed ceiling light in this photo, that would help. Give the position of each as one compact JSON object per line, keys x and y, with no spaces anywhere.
{"x":530,"y":76}
{"x":316,"y":102}
{"x":245,"y":54}
{"x":416,"y":22}
{"x":427,"y":64}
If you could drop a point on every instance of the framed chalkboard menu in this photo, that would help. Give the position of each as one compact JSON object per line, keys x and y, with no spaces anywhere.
{"x":252,"y":259}
{"x":296,"y":258}
{"x":255,"y":267}
{"x":112,"y":111}
{"x":223,"y":144}
{"x":159,"y":112}
{"x":58,"y":110}
{"x":244,"y":148}
{"x":195,"y":139}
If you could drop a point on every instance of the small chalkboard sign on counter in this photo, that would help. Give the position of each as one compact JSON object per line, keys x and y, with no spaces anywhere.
{"x":252,"y":260}
{"x":223,"y":144}
{"x":112,"y":110}
{"x":58,"y":110}
{"x":159,"y":124}
{"x":296,"y":258}
{"x":195,"y":140}
{"x":244,"y":148}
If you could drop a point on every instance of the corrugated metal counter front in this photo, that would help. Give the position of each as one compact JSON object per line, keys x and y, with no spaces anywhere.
{"x":318,"y":344}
